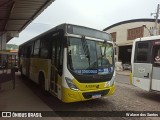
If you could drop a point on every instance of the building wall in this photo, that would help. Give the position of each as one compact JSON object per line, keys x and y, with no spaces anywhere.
{"x":122,"y":31}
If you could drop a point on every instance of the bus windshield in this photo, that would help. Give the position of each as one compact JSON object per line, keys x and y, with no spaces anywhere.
{"x":90,"y":57}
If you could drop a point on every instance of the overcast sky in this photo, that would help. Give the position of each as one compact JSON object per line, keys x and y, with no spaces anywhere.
{"x":97,"y":14}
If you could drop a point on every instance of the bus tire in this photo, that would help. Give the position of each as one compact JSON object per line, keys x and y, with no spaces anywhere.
{"x":41,"y":80}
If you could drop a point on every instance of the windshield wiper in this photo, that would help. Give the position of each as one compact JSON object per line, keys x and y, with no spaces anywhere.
{"x":103,"y":54}
{"x":105,"y":42}
{"x":85,"y":48}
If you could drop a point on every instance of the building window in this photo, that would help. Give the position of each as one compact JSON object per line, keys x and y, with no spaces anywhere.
{"x":113,"y":36}
{"x":135,"y":33}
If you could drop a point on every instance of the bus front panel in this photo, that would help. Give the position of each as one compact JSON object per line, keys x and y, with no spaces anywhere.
{"x":88,"y":70}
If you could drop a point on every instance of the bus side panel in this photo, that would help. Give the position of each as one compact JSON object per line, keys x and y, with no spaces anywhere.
{"x":23,"y":64}
{"x":142,"y":83}
{"x":44,"y":65}
{"x":156,"y":79}
{"x":142,"y":75}
{"x":34,"y":70}
{"x":40,"y":65}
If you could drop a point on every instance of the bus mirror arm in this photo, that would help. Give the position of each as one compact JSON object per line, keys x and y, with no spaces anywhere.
{"x":147,"y":76}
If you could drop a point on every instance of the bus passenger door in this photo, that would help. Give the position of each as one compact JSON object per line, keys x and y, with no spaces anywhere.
{"x":142,"y":67}
{"x":156,"y":66}
{"x":55,"y":65}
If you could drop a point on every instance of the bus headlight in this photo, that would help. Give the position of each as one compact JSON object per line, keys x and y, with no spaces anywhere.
{"x":111,"y":82}
{"x":71,"y":84}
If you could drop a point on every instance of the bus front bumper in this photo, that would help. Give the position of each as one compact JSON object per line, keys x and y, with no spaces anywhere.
{"x":69,"y":95}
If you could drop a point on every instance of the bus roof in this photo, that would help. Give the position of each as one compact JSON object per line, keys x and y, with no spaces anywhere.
{"x":148,"y":38}
{"x":61,"y":26}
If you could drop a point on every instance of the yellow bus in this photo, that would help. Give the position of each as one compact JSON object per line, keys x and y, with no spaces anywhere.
{"x":72,"y":62}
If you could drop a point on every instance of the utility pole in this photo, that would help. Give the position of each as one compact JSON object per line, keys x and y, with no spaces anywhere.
{"x":156,"y":20}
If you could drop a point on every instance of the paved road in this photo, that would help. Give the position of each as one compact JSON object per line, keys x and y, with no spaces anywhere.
{"x":126,"y":98}
{"x":122,"y":79}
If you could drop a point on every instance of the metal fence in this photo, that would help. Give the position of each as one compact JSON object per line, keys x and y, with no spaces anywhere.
{"x":8,"y":67}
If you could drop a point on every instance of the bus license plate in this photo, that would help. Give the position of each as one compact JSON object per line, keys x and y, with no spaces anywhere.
{"x":96,"y":96}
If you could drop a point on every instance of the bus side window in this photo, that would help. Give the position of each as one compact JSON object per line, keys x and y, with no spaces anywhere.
{"x":29,"y":51}
{"x":20,"y":52}
{"x":142,"y":55}
{"x":24,"y":52}
{"x":44,"y":49}
{"x":36,"y":48}
{"x":53,"y":51}
{"x":156,"y":56}
{"x":57,"y":52}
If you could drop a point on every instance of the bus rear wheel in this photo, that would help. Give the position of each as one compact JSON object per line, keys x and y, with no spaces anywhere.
{"x":41,"y":81}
